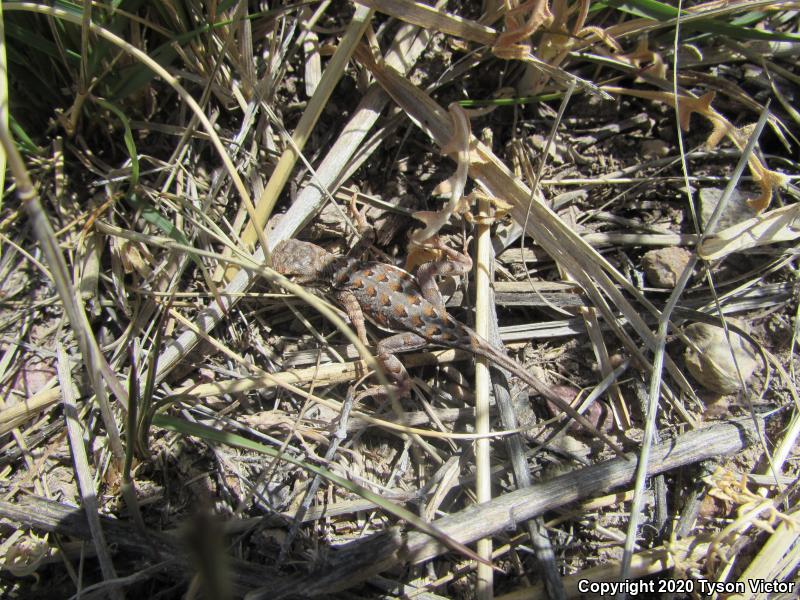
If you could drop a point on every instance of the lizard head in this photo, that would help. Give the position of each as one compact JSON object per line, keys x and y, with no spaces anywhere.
{"x":302,"y":262}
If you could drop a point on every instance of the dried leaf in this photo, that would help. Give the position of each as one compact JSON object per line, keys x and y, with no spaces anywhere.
{"x":685,"y":105}
{"x":520,"y":30}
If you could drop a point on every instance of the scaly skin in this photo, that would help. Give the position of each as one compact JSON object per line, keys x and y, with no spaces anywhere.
{"x":396,"y":301}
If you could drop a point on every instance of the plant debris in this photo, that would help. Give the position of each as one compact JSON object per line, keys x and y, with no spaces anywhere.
{"x":179,"y":420}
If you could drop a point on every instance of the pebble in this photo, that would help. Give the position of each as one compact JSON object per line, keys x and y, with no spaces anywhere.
{"x":736,"y":211}
{"x":711,"y":363}
{"x":653,"y":149}
{"x":664,"y":266}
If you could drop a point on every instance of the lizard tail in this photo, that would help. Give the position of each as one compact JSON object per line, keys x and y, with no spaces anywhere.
{"x":509,"y":364}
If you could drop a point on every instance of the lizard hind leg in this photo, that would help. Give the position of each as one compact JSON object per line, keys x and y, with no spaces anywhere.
{"x":400,"y":380}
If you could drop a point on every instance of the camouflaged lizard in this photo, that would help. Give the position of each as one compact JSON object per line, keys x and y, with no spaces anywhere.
{"x":397,"y":301}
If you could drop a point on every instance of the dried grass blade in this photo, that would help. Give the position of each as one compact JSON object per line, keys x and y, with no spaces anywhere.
{"x":484,"y":585}
{"x":98,"y":369}
{"x":82,"y":472}
{"x":503,"y":512}
{"x":647,"y":562}
{"x":779,"y":225}
{"x":408,"y":45}
{"x":313,"y":60}
{"x":788,"y":442}
{"x":778,"y":557}
{"x":16,"y":415}
{"x":620,"y":407}
{"x":427,"y":17}
{"x":343,"y":372}
{"x":47,"y":515}
{"x":169,"y":79}
{"x":283,"y":169}
{"x":663,"y":328}
{"x":231,"y":439}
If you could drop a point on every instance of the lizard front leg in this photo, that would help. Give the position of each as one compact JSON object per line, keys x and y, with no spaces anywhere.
{"x":353,"y":309}
{"x":386,"y":349}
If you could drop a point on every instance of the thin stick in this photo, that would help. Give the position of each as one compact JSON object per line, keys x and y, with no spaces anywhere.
{"x":82,"y":472}
{"x":483,"y":480}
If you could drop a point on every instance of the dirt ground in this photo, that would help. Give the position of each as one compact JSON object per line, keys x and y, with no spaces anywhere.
{"x":178,"y":421}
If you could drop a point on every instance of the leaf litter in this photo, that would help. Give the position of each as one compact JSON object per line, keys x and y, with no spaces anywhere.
{"x":229,"y":426}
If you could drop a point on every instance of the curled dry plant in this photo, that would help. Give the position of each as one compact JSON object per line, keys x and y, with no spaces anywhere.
{"x":523,"y":19}
{"x":752,"y":510}
{"x":685,"y":105}
{"x":237,"y":60}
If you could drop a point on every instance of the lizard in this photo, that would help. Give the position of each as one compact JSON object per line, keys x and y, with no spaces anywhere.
{"x":411,"y":307}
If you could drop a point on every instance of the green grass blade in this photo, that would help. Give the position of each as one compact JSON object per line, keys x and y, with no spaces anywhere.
{"x":659,"y":11}
{"x":136,"y":77}
{"x":127,"y":137}
{"x":28,"y":37}
{"x":152,"y":216}
{"x":149,"y":213}
{"x":23,"y":140}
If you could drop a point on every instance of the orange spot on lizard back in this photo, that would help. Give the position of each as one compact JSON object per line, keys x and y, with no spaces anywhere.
{"x":432,"y":331}
{"x":429,"y":311}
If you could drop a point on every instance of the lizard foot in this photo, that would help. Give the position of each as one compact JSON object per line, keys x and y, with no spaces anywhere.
{"x":400,"y":386}
{"x":384,"y":392}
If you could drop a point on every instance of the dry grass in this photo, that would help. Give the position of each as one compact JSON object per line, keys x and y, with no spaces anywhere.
{"x":157,"y":371}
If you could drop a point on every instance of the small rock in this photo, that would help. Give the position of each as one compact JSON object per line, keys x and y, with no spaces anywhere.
{"x":711,"y":363}
{"x":664,"y":266}
{"x":652,"y":149}
{"x":597,"y":414}
{"x":736,"y":211}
